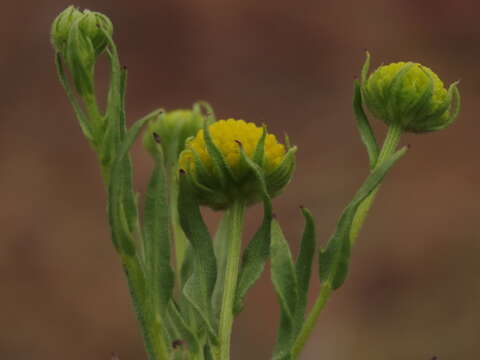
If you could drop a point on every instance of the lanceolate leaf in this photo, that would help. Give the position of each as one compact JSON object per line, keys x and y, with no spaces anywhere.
{"x":81,"y":117}
{"x":303,"y":267}
{"x":199,"y":287}
{"x":122,"y":204}
{"x":256,"y":254}
{"x":157,"y":239}
{"x":335,"y":258}
{"x":121,"y":199}
{"x":366,"y":132}
{"x":183,"y":329}
{"x":284,"y":280}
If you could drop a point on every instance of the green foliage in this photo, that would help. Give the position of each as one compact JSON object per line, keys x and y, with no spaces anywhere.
{"x":189,"y":313}
{"x":199,"y":287}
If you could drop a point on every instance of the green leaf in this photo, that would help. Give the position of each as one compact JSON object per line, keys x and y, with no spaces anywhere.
{"x":208,"y":353}
{"x":187,"y":265}
{"x":121,"y":205}
{"x":157,"y":238}
{"x":199,"y":287}
{"x":81,"y":117}
{"x":365,"y":69}
{"x":256,"y":254}
{"x":115,"y":126}
{"x":185,"y":332}
{"x":284,"y":280}
{"x":303,"y":267}
{"x":363,"y":125}
{"x":334,"y":260}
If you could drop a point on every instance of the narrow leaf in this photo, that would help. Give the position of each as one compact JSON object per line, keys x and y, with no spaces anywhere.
{"x":81,"y":117}
{"x":256,"y":254}
{"x":365,"y":68}
{"x":285,"y":283}
{"x":334,"y":260}
{"x":366,"y":132}
{"x":186,"y":333}
{"x":303,"y":267}
{"x":157,"y":239}
{"x":121,"y":199}
{"x":199,"y":287}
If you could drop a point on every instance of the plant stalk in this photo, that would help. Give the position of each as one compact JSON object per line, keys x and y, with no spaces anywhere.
{"x":309,"y":324}
{"x":389,"y":146}
{"x":236,"y":214}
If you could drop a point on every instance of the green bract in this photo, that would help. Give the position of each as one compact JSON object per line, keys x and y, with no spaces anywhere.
{"x":223,"y":159}
{"x":61,"y":27}
{"x":411,"y":96}
{"x":92,"y":25}
{"x":173,"y":129}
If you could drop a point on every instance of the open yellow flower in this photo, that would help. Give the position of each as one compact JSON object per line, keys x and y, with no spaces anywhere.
{"x":220,"y":172}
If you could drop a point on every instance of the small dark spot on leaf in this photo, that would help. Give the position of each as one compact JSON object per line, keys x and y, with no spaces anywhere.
{"x":177,"y":343}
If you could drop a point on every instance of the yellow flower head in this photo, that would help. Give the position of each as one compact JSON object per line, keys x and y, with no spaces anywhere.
{"x":230,"y":137}
{"x":227,"y":134}
{"x":411,"y":95}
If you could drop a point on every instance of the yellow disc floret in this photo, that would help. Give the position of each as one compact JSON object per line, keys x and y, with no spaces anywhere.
{"x":227,"y":135}
{"x":226,"y":163}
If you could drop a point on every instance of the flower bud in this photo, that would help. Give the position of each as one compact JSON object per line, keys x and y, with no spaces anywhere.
{"x":215,"y":162}
{"x":92,"y":25}
{"x":410,"y":96}
{"x":173,"y":129}
{"x":61,"y":27}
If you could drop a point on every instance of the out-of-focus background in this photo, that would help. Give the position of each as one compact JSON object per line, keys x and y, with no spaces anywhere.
{"x":414,"y":289}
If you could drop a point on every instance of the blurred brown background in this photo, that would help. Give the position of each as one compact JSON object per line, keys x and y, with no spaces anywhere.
{"x":414,"y":289}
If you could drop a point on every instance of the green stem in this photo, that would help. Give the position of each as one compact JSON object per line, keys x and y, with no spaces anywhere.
{"x":389,"y":146}
{"x":156,"y":350}
{"x":309,"y":324}
{"x":236,"y":213}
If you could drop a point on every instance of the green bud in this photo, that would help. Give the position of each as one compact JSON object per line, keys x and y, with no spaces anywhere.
{"x":410,"y":96}
{"x":173,"y":129}
{"x":80,"y":37}
{"x":61,"y":27}
{"x":226,"y":159}
{"x":92,"y":25}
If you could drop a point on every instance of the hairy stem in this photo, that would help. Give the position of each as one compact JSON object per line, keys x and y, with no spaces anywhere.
{"x":389,"y":146}
{"x":236,"y":213}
